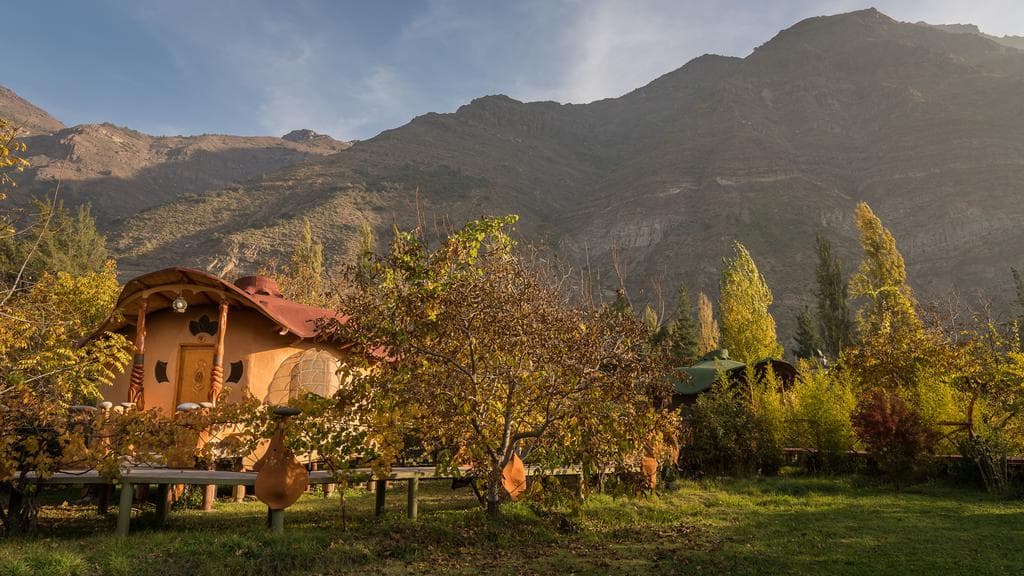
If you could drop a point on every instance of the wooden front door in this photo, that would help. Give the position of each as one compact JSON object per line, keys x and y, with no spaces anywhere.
{"x":195,"y":363}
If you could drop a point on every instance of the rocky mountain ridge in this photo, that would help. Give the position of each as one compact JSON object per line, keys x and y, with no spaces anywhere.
{"x":925,"y":124}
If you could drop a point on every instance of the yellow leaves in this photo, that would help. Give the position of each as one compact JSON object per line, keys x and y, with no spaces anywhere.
{"x":10,"y":161}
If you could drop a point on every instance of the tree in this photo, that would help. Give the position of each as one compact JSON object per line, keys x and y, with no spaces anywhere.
{"x":1018,"y":285}
{"x":707,"y":326}
{"x":683,"y":347}
{"x":487,"y":361}
{"x":11,"y":159}
{"x":748,"y":329}
{"x":881,"y":279}
{"x":57,"y":241}
{"x":808,"y":343}
{"x":833,"y":301}
{"x":304,"y":279}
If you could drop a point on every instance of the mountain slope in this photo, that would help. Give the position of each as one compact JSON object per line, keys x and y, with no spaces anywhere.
{"x":925,"y":124}
{"x":28,"y":117}
{"x":121,"y":172}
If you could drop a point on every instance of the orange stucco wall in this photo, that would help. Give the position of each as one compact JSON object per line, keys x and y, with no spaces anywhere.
{"x":250,"y":338}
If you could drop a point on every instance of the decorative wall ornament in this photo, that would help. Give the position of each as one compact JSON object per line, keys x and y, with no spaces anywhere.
{"x":513,"y":477}
{"x":281,"y":479}
{"x":160,"y":370}
{"x":203,"y":325}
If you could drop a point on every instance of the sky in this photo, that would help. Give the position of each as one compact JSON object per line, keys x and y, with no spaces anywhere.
{"x":354,"y":68}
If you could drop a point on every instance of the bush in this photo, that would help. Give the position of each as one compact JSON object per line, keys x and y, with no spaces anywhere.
{"x":732,"y":430}
{"x":894,"y":433}
{"x":821,"y":404}
{"x":988,"y":454}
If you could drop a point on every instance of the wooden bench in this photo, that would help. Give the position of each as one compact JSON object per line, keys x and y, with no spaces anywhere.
{"x":165,"y":478}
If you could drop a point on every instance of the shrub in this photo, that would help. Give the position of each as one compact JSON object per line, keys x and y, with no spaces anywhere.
{"x":821,"y":403}
{"x":894,"y":433}
{"x":989,"y":453}
{"x":735,"y":430}
{"x":769,"y":415}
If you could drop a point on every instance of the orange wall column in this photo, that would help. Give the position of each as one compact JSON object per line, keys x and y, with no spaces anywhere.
{"x":217,"y":373}
{"x":136,"y":393}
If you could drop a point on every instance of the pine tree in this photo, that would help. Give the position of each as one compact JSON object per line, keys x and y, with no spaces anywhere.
{"x":364,"y":258}
{"x":881,"y":279}
{"x":56,"y":242}
{"x":707,"y":326}
{"x":748,"y":329}
{"x":305,"y":271}
{"x":683,"y":348}
{"x":808,"y":342}
{"x":834,"y":323}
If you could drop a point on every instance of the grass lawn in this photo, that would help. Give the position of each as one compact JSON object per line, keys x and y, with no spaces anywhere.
{"x":792,"y":525}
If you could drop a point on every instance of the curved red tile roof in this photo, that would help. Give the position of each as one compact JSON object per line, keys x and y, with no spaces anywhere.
{"x":202,"y":288}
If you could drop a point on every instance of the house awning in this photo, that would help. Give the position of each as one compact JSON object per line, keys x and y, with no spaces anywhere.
{"x":199,"y":288}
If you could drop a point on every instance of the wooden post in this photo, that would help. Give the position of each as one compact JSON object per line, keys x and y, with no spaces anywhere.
{"x":239,"y":493}
{"x":103,"y":499}
{"x":581,"y":482}
{"x":328,"y":490}
{"x":216,"y":385}
{"x":217,"y":372}
{"x":163,"y":503}
{"x":124,"y":509}
{"x":412,"y":503}
{"x":136,"y":393}
{"x":277,"y":521}
{"x":380,"y":486}
{"x":209,"y":495}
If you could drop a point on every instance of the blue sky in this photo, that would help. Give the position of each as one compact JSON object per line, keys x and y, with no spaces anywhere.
{"x":352,"y":69}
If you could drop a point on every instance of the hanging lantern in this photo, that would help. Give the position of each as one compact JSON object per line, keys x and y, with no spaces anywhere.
{"x":179,"y":304}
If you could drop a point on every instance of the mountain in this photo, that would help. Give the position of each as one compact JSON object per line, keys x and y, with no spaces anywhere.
{"x":925,"y":124}
{"x":22,"y":113}
{"x":121,"y":172}
{"x":1011,"y":41}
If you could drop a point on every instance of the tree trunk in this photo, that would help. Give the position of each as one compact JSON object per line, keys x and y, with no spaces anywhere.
{"x":494,"y":493}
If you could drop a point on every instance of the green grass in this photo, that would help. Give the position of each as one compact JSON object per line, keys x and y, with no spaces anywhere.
{"x":832,"y":526}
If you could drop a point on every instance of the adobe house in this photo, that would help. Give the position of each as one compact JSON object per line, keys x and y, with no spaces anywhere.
{"x":196,"y":334}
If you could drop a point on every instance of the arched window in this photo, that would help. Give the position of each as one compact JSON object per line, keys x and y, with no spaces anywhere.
{"x":311,"y":371}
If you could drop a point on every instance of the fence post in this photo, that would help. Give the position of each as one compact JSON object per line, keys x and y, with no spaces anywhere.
{"x":163,"y":502}
{"x":124,"y":509}
{"x":412,"y":505}
{"x":277,"y":521}
{"x":380,"y":486}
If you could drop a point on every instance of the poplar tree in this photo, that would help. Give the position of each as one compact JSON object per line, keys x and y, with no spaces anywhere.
{"x":306,"y":269}
{"x":748,"y":329}
{"x":881,"y":280}
{"x":808,"y":341}
{"x":707,"y":326}
{"x":834,"y":323}
{"x":683,"y":347}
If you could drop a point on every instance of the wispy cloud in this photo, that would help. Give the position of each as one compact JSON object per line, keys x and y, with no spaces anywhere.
{"x":354,"y":69}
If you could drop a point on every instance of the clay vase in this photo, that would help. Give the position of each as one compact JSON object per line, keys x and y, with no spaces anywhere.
{"x":281,"y":479}
{"x":649,"y":469}
{"x":513,"y":477}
